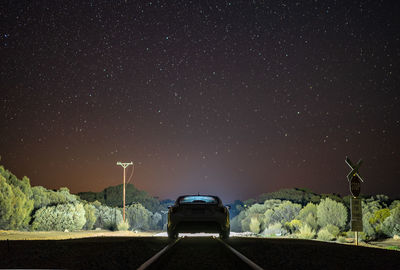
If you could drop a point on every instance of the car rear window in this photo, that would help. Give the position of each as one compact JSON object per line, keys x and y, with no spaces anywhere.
{"x":198,"y":199}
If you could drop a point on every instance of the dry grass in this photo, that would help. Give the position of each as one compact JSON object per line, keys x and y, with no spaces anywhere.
{"x":56,"y":235}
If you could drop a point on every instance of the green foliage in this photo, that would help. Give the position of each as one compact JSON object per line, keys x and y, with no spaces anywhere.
{"x":155,"y":223}
{"x":325,"y":235}
{"x":112,"y":196}
{"x":306,"y":232}
{"x":308,"y":215}
{"x":90,"y":216}
{"x":236,"y":208}
{"x":254,"y":225}
{"x":16,"y":204}
{"x":123,"y":226}
{"x":45,"y":197}
{"x":369,"y":207}
{"x":285,"y":212}
{"x":139,"y":217}
{"x":379,"y":217}
{"x":274,"y":230}
{"x":59,"y":218}
{"x":391,"y":225}
{"x":332,"y":229}
{"x":293,"y":226}
{"x":107,"y":217}
{"x":341,"y":239}
{"x":331,"y":212}
{"x":296,"y":195}
{"x":394,"y":204}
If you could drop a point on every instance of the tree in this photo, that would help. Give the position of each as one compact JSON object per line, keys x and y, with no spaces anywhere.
{"x":391,"y":225}
{"x":369,"y":207}
{"x":107,"y":217}
{"x":90,"y":216}
{"x":254,"y":225}
{"x":61,"y":217}
{"x":139,"y":217}
{"x":286,"y":212}
{"x":44,"y":197}
{"x":16,"y":204}
{"x":331,"y":212}
{"x":308,"y":215}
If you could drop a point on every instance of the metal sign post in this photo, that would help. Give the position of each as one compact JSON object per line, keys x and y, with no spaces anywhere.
{"x":355,"y":180}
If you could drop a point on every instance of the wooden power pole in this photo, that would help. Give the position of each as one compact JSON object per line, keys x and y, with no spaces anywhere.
{"x":124,"y":165}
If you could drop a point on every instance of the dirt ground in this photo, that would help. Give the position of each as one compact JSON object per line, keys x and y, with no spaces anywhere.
{"x":55,"y":235}
{"x":124,"y":252}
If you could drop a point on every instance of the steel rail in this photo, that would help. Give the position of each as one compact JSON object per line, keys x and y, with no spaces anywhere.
{"x":243,"y":258}
{"x":153,"y":259}
{"x":157,"y":256}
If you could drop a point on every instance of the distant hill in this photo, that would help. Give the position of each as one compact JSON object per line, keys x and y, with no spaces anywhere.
{"x":112,"y":196}
{"x":297,"y":195}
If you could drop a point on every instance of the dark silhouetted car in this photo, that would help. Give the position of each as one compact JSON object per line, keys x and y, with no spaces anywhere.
{"x":198,"y":213}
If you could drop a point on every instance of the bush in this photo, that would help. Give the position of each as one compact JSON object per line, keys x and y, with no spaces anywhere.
{"x":44,"y":197}
{"x":60,"y":218}
{"x":274,"y":230}
{"x":332,"y":229}
{"x":123,"y":226}
{"x":139,"y":217}
{"x":90,"y":215}
{"x":254,"y":225}
{"x":325,"y":235}
{"x":331,"y":212}
{"x":293,"y":226}
{"x":391,"y":225}
{"x":107,"y":217}
{"x":306,"y":232}
{"x":16,"y":204}
{"x":155,"y":223}
{"x":308,"y":215}
{"x":341,"y":239}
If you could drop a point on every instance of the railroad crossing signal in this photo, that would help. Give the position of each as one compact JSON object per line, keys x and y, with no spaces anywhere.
{"x":354,"y":169}
{"x":354,"y":177}
{"x":356,"y":224}
{"x":355,"y":180}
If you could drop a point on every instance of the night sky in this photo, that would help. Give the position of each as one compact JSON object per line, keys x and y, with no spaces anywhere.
{"x":233,"y":98}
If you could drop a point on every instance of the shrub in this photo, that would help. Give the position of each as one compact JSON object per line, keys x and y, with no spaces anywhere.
{"x":254,"y":225}
{"x":391,"y":225}
{"x":293,"y":226}
{"x":325,"y":235}
{"x":285,"y":212}
{"x":90,"y":215}
{"x":331,"y":212}
{"x":341,"y":239}
{"x":155,"y":223}
{"x":16,"y":204}
{"x":139,"y":217}
{"x":44,"y":197}
{"x":308,"y":215}
{"x":59,"y":218}
{"x":107,"y":217}
{"x":274,"y":230}
{"x":306,"y":232}
{"x":332,"y":229}
{"x":123,"y":226}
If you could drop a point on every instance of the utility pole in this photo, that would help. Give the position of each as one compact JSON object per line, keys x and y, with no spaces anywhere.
{"x":124,"y":165}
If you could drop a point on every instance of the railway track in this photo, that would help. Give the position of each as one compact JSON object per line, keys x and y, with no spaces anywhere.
{"x":198,"y":253}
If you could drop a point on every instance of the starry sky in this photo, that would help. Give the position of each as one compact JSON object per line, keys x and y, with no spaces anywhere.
{"x":233,"y":98}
